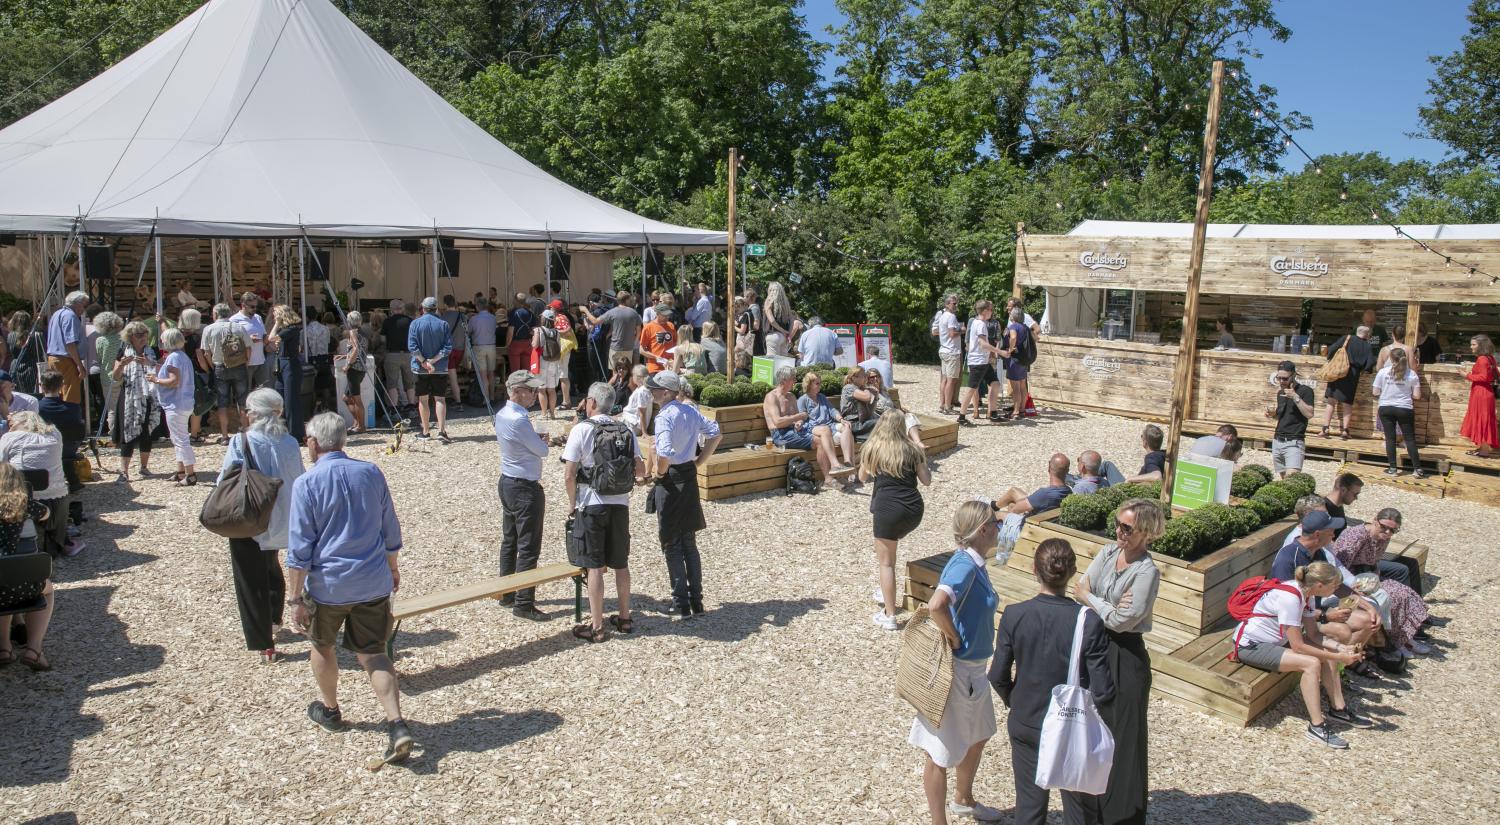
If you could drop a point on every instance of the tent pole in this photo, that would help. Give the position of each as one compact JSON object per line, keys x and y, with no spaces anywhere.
{"x":1187,"y":351}
{"x":157,"y":256}
{"x":547,"y":270}
{"x":302,"y":279}
{"x":734,"y":166}
{"x":437,"y":249}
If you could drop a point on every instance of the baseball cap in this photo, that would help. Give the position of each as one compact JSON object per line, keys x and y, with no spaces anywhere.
{"x":1319,"y":520}
{"x":522,"y":378}
{"x":6,"y":377}
{"x":547,"y":313}
{"x":429,"y":302}
{"x":665,"y":380}
{"x":608,"y":293}
{"x":556,"y":303}
{"x":1287,"y":366}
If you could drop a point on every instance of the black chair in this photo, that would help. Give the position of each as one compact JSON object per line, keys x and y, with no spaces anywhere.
{"x":24,"y":578}
{"x":38,"y":479}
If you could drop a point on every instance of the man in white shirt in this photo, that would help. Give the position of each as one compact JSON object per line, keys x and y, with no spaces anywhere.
{"x":818,"y":344}
{"x":950,"y":335}
{"x":701,"y":311}
{"x":601,"y":522}
{"x":247,"y":317}
{"x":877,"y":363}
{"x":522,"y":501}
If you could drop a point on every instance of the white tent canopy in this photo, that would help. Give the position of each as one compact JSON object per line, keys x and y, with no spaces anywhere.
{"x":271,"y":118}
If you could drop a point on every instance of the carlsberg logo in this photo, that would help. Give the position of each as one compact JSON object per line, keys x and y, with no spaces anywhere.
{"x":1289,"y":267}
{"x":1102,"y":260}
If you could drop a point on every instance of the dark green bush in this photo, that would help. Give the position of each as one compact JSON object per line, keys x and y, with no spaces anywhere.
{"x":716,"y":378}
{"x":1281,"y":496}
{"x":717,"y":395}
{"x":1215,"y":527}
{"x":833,"y":383}
{"x":1249,"y":479}
{"x":1245,"y":520}
{"x":1084,"y":512}
{"x":1178,"y":539}
{"x":762,"y":389}
{"x":1263,"y":509}
{"x":751,"y":393}
{"x":1304,"y":484}
{"x":1261,"y":470}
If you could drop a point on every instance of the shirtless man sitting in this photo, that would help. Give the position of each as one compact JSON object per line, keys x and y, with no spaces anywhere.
{"x":789,"y":428}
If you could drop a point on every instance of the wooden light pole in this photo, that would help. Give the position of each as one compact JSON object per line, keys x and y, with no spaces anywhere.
{"x":1187,"y":351}
{"x":734,"y":167}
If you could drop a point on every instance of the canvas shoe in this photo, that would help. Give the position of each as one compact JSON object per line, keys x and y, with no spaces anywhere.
{"x":1348,"y":717}
{"x":884,"y":621}
{"x":978,"y":811}
{"x":1323,"y":736}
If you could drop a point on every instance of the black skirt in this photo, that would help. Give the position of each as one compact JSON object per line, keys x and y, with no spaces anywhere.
{"x":897,"y":507}
{"x":1125,"y":714}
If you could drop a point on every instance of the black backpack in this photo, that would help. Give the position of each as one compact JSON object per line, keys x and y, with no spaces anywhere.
{"x":800,"y":477}
{"x":613,"y":470}
{"x":1026,"y":349}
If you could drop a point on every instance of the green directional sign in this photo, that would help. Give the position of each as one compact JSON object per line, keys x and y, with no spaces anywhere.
{"x":1193,"y":485}
{"x":757,"y":250}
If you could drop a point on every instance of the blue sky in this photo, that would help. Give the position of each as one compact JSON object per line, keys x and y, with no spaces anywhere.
{"x":1358,"y":68}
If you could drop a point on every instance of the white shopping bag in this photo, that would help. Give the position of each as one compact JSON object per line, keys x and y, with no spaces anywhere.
{"x":1077,"y":750}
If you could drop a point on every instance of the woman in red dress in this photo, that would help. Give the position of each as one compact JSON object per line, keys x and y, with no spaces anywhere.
{"x":1479,"y":422}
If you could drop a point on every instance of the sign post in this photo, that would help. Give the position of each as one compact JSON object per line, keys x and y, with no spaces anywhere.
{"x":734,"y":165}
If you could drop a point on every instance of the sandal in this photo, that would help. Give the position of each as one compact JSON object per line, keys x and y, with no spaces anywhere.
{"x":621,"y":624}
{"x":1344,"y":433}
{"x":7,"y":656}
{"x":589,"y":633}
{"x":36,"y":661}
{"x":1323,"y":433}
{"x":188,"y":481}
{"x":221,"y":440}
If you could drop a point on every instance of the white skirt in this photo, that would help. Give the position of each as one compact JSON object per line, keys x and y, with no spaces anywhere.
{"x":968,"y":718}
{"x":550,"y":373}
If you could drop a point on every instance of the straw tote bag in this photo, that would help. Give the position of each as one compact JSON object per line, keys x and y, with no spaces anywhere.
{"x":924,"y":670}
{"x":1077,"y":750}
{"x":241,"y":506}
{"x":1337,"y":366}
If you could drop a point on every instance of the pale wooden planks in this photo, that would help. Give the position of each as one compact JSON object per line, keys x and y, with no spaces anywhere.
{"x":487,"y":589}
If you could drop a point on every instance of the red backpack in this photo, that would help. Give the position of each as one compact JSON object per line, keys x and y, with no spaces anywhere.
{"x":1242,"y":604}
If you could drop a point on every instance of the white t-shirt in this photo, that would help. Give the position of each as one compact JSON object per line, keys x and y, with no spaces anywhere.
{"x":255,"y":327}
{"x":637,"y":408}
{"x":1285,"y":610}
{"x":1211,"y":446}
{"x":947,"y":323}
{"x":978,"y":354}
{"x":580,"y":449}
{"x":1396,"y":392}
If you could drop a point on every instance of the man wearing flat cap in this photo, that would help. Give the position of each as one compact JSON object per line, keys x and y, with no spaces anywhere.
{"x":679,"y":513}
{"x":522,"y":504}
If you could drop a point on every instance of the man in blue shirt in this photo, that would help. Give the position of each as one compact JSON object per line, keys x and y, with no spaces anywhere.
{"x":818,"y":344}
{"x":430,"y":340}
{"x":482,"y":333}
{"x":1318,"y":530}
{"x":522,"y":503}
{"x":702,"y":310}
{"x":679,"y":513}
{"x":342,"y":543}
{"x":65,"y":345}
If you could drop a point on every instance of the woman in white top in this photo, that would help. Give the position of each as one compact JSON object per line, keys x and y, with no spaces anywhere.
{"x":1281,"y":636}
{"x":1397,"y":385}
{"x":981,"y":365}
{"x":32,"y":444}
{"x":638,"y":409}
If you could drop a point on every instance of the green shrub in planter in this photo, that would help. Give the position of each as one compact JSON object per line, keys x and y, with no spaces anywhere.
{"x":1245,"y":520}
{"x":1083,"y":512}
{"x":1279,"y":496}
{"x":1263,"y":509}
{"x":717,"y":395}
{"x":1176,"y":540}
{"x":762,"y":389}
{"x":750,"y":393}
{"x":1202,"y":532}
{"x":833,"y":383}
{"x":1248,"y":480}
{"x":1304,"y":484}
{"x":1121,"y":493}
{"x":716,"y":378}
{"x":801,"y":372}
{"x":1216,"y":528}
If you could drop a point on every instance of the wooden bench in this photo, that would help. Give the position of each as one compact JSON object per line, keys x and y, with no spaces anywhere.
{"x":1198,"y":675}
{"x":491,"y":588}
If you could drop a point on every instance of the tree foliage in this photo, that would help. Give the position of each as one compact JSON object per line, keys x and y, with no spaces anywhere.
{"x":1465,"y":108}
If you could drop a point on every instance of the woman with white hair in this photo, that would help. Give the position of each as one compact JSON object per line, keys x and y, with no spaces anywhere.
{"x":32,"y":444}
{"x":191,"y":324}
{"x":137,"y":412}
{"x":174,"y":382}
{"x":259,"y":587}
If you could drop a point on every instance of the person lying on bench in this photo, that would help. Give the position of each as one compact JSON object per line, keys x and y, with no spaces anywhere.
{"x":1015,"y":504}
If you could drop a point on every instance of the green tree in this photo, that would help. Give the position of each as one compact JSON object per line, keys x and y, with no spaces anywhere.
{"x":1465,"y":108}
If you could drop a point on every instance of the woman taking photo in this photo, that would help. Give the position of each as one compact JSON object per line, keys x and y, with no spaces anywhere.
{"x":1120,"y":585}
{"x":174,"y":391}
{"x":1033,"y":653}
{"x":963,"y":609}
{"x":351,"y":362}
{"x":897,"y":465}
{"x":137,"y":411}
{"x":258,"y":584}
{"x":1479,"y":421}
{"x":1397,"y":386}
{"x":286,"y":336}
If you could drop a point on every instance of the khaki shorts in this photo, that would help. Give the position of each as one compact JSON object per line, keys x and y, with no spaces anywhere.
{"x":367,"y":626}
{"x":484,"y":358}
{"x":398,"y":374}
{"x":951,"y":364}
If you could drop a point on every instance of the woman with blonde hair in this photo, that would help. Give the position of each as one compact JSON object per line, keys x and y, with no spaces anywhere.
{"x":963,"y":610}
{"x":1120,"y":585}
{"x":33,"y":444}
{"x":137,"y":411}
{"x":174,"y":391}
{"x":191,"y":324}
{"x":713,"y":347}
{"x":286,"y":337}
{"x":17,"y":512}
{"x":351,"y":361}
{"x":782,"y":323}
{"x":1397,"y":386}
{"x":690,"y":359}
{"x":896,"y":465}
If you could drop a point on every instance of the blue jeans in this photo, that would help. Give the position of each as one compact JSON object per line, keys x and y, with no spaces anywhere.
{"x":792,"y":439}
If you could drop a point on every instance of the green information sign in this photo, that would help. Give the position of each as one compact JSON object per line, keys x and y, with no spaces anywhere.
{"x":1193,"y":485}
{"x":762,"y":368}
{"x":757,"y":250}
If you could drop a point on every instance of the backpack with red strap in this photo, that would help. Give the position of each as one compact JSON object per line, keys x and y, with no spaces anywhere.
{"x":1242,"y":604}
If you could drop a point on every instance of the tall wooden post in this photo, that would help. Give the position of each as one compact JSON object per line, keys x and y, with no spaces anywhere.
{"x":734,"y":168}
{"x":1187,"y":351}
{"x":1413,"y":320}
{"x":1015,"y":283}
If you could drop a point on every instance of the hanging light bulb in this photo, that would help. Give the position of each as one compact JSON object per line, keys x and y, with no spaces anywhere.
{"x":1257,"y":112}
{"x":1059,"y":204}
{"x":984,"y":252}
{"x":945,"y":262}
{"x":773,"y":207}
{"x":1286,"y":142}
{"x":1343,"y":194}
{"x":1317,"y":170}
{"x":1447,"y":262}
{"x":1105,"y":184}
{"x":820,"y":245}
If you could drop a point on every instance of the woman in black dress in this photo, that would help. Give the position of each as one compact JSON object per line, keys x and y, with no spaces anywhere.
{"x":1341,"y":393}
{"x":286,"y":336}
{"x":897,"y":465}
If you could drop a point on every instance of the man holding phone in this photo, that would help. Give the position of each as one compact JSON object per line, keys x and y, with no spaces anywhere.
{"x":1292,"y":409}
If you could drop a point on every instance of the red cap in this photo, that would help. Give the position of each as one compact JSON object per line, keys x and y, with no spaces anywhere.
{"x":556,"y":303}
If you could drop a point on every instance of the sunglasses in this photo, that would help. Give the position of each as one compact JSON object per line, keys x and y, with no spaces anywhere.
{"x":1124,"y":529}
{"x":1283,"y":378}
{"x":1387,"y":528}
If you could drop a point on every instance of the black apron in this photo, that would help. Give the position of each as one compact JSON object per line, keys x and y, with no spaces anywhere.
{"x":678,"y":509}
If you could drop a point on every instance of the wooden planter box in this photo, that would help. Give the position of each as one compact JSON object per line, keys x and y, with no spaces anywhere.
{"x":740,"y":425}
{"x":1193,"y":596}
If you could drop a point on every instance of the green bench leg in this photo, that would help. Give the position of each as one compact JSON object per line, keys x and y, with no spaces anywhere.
{"x":390,"y":644}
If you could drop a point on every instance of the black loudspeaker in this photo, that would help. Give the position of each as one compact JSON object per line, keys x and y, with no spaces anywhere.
{"x":655,"y":262}
{"x":319,"y":264}
{"x":411,"y":245}
{"x":562,"y":264}
{"x":7,"y":240}
{"x":449,"y":267}
{"x":99,"y":263}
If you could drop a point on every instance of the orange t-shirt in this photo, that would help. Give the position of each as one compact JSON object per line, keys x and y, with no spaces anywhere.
{"x":656,"y":339}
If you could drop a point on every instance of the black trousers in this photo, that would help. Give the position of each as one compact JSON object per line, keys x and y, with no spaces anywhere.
{"x":324,"y":384}
{"x":522,"y":505}
{"x":1390,"y":419}
{"x":259,"y":589}
{"x":1125,"y":714}
{"x":1031,"y":798}
{"x":685,"y":567}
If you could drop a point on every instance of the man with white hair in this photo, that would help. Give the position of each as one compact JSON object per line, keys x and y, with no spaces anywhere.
{"x":679,"y":512}
{"x":342,"y":545}
{"x":523,"y":504}
{"x":65,"y":345}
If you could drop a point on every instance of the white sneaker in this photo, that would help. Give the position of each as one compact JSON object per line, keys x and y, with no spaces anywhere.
{"x":883,"y":621}
{"x":878,"y":597}
{"x":978,"y":810}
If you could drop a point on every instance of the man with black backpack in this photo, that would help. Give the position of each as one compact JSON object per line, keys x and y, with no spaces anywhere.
{"x":603,"y":464}
{"x":522,"y":503}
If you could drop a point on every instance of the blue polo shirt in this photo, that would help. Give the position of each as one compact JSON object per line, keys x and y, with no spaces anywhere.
{"x":973,"y":601}
{"x":64,"y":328}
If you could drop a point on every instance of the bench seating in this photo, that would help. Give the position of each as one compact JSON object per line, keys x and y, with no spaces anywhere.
{"x":490,"y":588}
{"x":738,"y":472}
{"x":1198,"y":675}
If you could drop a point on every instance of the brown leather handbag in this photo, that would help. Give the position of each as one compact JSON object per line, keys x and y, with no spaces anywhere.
{"x":240,"y":506}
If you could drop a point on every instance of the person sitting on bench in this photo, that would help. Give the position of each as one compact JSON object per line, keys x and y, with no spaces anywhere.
{"x":1015,"y":503}
{"x":827,"y":427}
{"x":1353,"y":625}
{"x":1152,"y":465}
{"x":1090,"y":477}
{"x":857,"y":404}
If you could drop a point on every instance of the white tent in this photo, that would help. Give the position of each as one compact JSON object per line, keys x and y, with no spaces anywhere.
{"x":271,"y":118}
